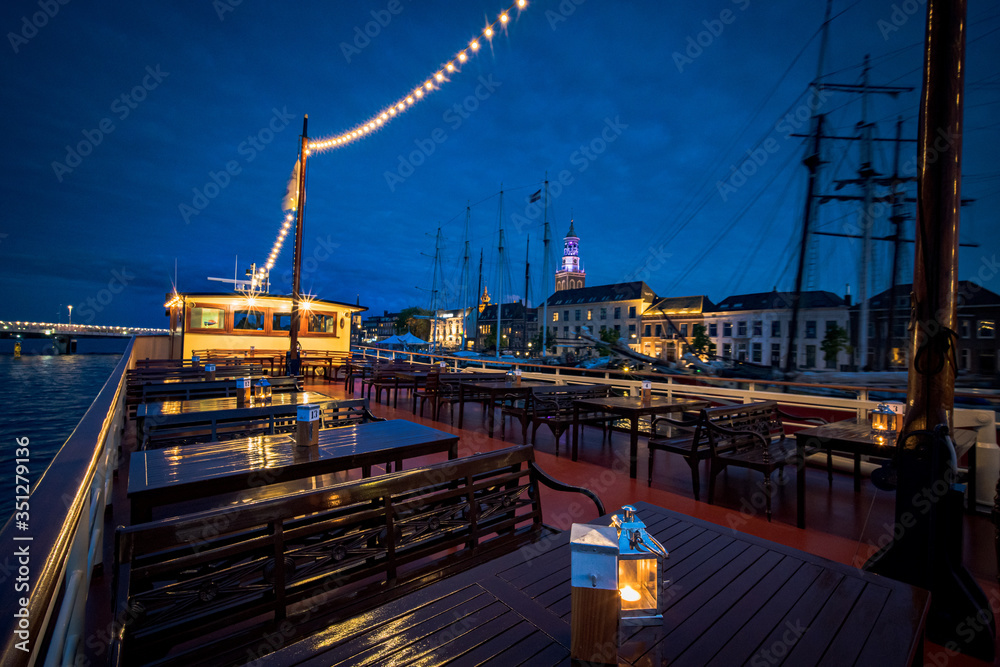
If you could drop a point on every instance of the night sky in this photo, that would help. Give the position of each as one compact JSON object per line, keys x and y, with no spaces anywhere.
{"x":123,"y":118}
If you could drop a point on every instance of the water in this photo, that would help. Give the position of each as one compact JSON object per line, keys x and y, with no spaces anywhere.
{"x":43,"y":398}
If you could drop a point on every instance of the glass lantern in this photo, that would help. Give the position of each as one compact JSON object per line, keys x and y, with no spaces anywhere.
{"x":639,"y":556}
{"x":883,"y":424}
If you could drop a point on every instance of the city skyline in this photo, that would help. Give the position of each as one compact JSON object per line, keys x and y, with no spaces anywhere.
{"x":667,"y":135}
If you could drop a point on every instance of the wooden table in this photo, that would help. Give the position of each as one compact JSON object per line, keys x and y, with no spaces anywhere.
{"x":850,"y":437}
{"x":496,"y":391}
{"x":631,"y":408}
{"x":731,"y":599}
{"x":193,"y":472}
{"x":202,"y":409}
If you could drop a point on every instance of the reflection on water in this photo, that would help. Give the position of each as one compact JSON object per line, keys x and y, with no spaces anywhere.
{"x":43,"y":399}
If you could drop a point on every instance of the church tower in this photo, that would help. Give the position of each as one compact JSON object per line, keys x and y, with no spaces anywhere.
{"x":571,"y":275}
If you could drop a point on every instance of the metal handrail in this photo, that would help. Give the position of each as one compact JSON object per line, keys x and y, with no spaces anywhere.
{"x":65,"y":526}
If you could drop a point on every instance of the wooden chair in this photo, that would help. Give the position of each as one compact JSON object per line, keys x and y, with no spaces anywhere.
{"x":748,"y":436}
{"x":438,"y":393}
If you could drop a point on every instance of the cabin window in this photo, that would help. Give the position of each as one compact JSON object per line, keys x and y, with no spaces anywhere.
{"x":208,"y":318}
{"x":281,"y":322}
{"x":319,"y":323}
{"x":248,"y":320}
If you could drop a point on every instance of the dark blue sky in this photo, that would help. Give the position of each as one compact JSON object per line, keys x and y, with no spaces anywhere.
{"x":645,"y":108}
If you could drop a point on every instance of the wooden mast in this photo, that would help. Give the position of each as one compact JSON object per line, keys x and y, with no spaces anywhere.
{"x":294,"y":359}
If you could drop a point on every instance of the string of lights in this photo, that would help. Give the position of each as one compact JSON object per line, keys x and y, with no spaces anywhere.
{"x":389,"y":113}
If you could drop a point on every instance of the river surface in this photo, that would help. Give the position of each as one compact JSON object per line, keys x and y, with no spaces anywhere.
{"x":43,"y":398}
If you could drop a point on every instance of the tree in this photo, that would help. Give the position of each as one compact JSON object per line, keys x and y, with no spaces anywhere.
{"x":550,"y":338}
{"x":701,"y":345}
{"x":835,"y":340}
{"x":415,"y":320}
{"x":609,"y":336}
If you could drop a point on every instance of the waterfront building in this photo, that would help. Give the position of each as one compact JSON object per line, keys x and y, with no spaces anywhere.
{"x":755,"y":328}
{"x":520,"y":326}
{"x":977,"y":342}
{"x":619,"y":306}
{"x":448,"y":327}
{"x":377,"y":327}
{"x":668,"y":325}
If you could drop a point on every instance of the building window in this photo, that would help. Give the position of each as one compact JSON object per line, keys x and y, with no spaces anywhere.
{"x":590,"y":314}
{"x":713,"y":330}
{"x":831,"y":363}
{"x":776,"y":329}
{"x":810,"y":356}
{"x":727,"y":350}
{"x":758,"y":353}
{"x":208,"y":318}
{"x":604,"y":313}
{"x":631,"y":331}
{"x":647,"y":330}
{"x":659,"y":330}
{"x":964,"y":359}
{"x":831,"y":325}
{"x":319,"y":323}
{"x":741,"y":351}
{"x":555,"y":316}
{"x":727,"y":329}
{"x":810,"y":328}
{"x":758,"y":328}
{"x":964,"y":327}
{"x":281,"y":322}
{"x":986,"y":329}
{"x":631,"y":311}
{"x":565,"y":331}
{"x":988,"y":362}
{"x":775,"y":354}
{"x":577,"y":313}
{"x":618,"y":328}
{"x":248,"y":320}
{"x":618,"y":312}
{"x":684,"y":329}
{"x":565,"y":316}
{"x":741,"y":329}
{"x":898,"y":329}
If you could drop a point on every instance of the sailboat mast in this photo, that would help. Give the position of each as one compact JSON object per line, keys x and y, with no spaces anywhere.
{"x":865,"y":173}
{"x":524,"y":310}
{"x":545,"y":271}
{"x":465,"y":280}
{"x":434,"y":291}
{"x":897,"y":221}
{"x":293,"y":338}
{"x":479,"y":291}
{"x":500,"y":279}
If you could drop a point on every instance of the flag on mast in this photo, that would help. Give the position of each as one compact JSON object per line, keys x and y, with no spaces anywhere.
{"x":535,"y":197}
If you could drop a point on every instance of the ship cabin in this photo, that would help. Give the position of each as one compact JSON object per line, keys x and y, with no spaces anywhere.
{"x":237,"y":321}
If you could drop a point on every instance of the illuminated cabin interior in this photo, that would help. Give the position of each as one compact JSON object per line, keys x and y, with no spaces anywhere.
{"x":206,"y":321}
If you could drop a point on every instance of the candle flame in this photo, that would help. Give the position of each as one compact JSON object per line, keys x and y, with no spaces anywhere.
{"x":629,"y":594}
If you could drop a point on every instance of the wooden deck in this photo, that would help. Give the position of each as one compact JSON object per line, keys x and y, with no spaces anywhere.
{"x":844,"y":526}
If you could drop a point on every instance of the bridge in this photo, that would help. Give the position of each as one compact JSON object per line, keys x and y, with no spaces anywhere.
{"x":64,"y":335}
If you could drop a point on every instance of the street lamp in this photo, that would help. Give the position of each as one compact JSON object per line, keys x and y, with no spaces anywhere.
{"x":70,"y":314}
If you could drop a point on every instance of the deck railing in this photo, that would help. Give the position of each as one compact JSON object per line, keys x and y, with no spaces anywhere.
{"x":48,"y":565}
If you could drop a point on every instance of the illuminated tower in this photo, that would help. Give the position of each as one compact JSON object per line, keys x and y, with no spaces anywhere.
{"x":571,"y":275}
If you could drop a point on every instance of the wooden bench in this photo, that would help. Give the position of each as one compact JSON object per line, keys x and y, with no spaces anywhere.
{"x":172,"y":430}
{"x":222,"y":579}
{"x":694,"y":441}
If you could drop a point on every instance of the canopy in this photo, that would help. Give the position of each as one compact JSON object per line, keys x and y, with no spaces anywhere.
{"x":391,"y":340}
{"x":410,"y":339}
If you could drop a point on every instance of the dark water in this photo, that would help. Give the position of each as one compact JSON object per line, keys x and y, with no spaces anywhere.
{"x":43,"y":398}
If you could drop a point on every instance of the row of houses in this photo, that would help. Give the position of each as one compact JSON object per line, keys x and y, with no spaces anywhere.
{"x":751,"y":328}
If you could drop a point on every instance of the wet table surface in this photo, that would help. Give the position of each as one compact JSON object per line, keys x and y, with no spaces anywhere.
{"x":730,"y":599}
